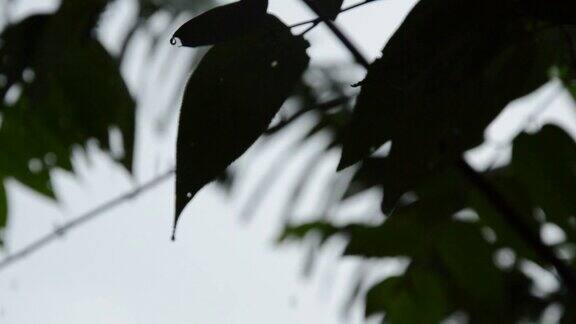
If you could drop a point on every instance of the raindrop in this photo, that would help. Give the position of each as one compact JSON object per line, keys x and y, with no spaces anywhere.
{"x":35,"y":165}
{"x":50,"y":159}
{"x":189,"y":195}
{"x":505,"y":258}
{"x":176,"y":41}
{"x":552,"y":234}
{"x":28,"y":75}
{"x":274,"y":64}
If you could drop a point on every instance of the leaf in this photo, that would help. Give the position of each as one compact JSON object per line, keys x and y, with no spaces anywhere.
{"x":223,"y":23}
{"x":545,"y":164}
{"x":230,"y":100}
{"x":72,"y":92}
{"x":424,"y":92}
{"x":468,"y":258}
{"x":18,"y":43}
{"x":416,"y":297}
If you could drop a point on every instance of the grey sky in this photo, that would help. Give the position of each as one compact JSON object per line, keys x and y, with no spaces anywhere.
{"x":122,"y":268}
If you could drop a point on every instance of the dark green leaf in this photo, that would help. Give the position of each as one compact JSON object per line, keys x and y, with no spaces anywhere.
{"x":545,"y":164}
{"x":230,"y":100}
{"x":416,"y":297}
{"x":72,"y":91}
{"x":468,"y":258}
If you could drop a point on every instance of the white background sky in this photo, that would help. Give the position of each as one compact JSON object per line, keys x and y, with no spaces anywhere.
{"x":122,"y":268}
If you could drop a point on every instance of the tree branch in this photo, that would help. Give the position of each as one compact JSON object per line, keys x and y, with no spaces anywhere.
{"x":516,"y":220}
{"x":54,"y":235}
{"x":358,"y":57}
{"x":322,"y":106}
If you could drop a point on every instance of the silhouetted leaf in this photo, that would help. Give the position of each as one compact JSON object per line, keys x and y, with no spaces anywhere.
{"x":230,"y":100}
{"x":424,"y":92}
{"x":223,"y":23}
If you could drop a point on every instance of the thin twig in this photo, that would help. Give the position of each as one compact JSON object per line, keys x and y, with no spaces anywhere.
{"x":56,"y":234}
{"x":323,"y":106}
{"x":318,"y":20}
{"x":359,"y":57}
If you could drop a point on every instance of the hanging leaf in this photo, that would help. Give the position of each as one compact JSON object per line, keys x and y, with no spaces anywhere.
{"x":222,"y":23}
{"x":230,"y":100}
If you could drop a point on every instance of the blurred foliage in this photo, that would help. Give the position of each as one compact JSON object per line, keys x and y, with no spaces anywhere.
{"x":444,"y":76}
{"x":61,"y":90}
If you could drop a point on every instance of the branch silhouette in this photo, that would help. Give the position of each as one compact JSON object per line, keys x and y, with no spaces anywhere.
{"x":81,"y":220}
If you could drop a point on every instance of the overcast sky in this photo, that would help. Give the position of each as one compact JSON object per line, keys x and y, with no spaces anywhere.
{"x":123,"y":269}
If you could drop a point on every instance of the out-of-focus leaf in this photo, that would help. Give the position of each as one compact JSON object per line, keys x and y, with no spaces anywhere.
{"x":545,"y":165}
{"x":516,"y":195}
{"x":416,"y":297}
{"x":468,"y":258}
{"x":299,"y":232}
{"x":18,"y":43}
{"x":223,"y":23}
{"x":71,"y":92}
{"x":230,"y":100}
